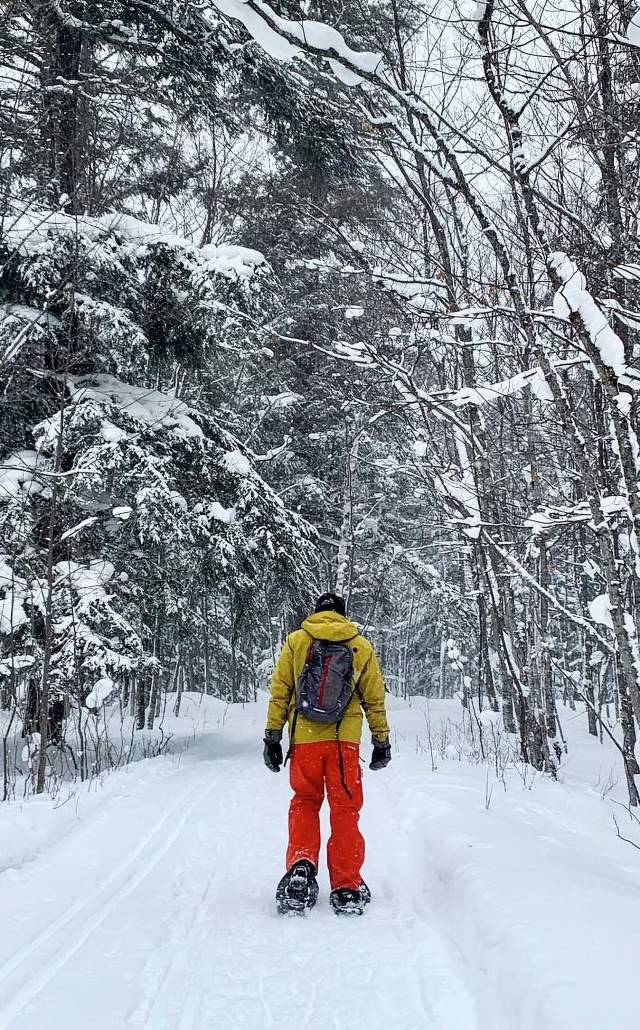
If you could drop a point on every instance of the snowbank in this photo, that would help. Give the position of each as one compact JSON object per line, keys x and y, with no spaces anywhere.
{"x":540,"y":895}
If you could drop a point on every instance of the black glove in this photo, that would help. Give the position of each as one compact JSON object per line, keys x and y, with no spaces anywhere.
{"x":273,"y":750}
{"x":381,"y":754}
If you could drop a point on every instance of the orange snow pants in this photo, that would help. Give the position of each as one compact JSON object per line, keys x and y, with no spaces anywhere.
{"x":313,"y":768}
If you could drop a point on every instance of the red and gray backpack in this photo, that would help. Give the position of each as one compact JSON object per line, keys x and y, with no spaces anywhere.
{"x":325,"y":686}
{"x":325,"y":689}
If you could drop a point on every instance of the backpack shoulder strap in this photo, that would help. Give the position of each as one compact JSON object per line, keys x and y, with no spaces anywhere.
{"x":294,"y":688}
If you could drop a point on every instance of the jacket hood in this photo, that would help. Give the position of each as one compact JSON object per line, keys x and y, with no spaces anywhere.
{"x":329,"y":626}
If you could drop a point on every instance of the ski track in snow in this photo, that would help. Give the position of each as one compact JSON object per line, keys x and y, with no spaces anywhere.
{"x":182,"y":933}
{"x":78,"y":907}
{"x":66,"y":947}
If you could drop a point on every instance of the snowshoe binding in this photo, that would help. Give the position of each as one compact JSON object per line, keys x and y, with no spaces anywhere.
{"x":345,"y":901}
{"x":298,"y":889}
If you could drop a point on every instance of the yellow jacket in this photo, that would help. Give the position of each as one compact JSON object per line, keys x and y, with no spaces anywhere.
{"x":366,"y":674}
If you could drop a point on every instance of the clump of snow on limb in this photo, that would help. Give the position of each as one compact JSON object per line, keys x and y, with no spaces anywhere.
{"x":573,"y":298}
{"x":551,"y":517}
{"x":31,"y":229}
{"x":19,"y":475}
{"x":161,"y":410}
{"x":600,"y":610}
{"x":102,"y":689}
{"x":479,"y":395}
{"x":312,"y":33}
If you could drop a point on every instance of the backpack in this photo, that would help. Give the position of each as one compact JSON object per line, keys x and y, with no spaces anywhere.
{"x":325,"y":686}
{"x":325,"y":689}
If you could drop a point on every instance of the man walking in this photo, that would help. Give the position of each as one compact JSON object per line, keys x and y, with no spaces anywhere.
{"x":325,"y":676}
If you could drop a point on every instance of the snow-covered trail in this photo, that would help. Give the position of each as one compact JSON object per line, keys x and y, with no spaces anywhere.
{"x":157,"y":910}
{"x":147,"y":901}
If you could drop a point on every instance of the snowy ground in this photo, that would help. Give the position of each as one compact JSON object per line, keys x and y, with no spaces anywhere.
{"x":148,"y":900}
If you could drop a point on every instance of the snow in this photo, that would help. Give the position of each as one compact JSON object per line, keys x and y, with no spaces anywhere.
{"x":30,"y":749}
{"x":270,"y":31}
{"x":30,"y":230}
{"x":623,"y":400}
{"x":16,"y":662}
{"x":158,"y":410}
{"x":630,"y":272}
{"x":420,"y":295}
{"x":111,"y":433}
{"x":100,"y":692}
{"x":551,"y":517}
{"x":237,"y":462}
{"x":460,"y":488}
{"x":270,"y":40}
{"x":490,"y":719}
{"x":179,"y":500}
{"x":353,"y":352}
{"x":312,"y":33}
{"x":285,"y":399}
{"x":74,"y":530}
{"x":147,"y":901}
{"x":27,"y":314}
{"x":573,"y":298}
{"x":133,"y":230}
{"x":600,"y":610}
{"x":123,"y":512}
{"x":221,"y":514}
{"x":88,"y":579}
{"x":325,"y":37}
{"x":231,"y":261}
{"x":346,"y":75}
{"x":479,"y":395}
{"x":473,"y":10}
{"x":18,"y":475}
{"x":354,"y":312}
{"x":12,"y":611}
{"x":12,"y":614}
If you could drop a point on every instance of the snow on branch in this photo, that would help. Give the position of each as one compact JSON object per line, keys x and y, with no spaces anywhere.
{"x":633,"y":30}
{"x":577,"y":620}
{"x":420,"y":294}
{"x":573,"y":298}
{"x":600,"y":610}
{"x":546,"y":519}
{"x":30,"y":230}
{"x":629,"y":272}
{"x":24,"y":313}
{"x":19,"y":476}
{"x":155,"y":409}
{"x":479,"y":395}
{"x":278,"y":36}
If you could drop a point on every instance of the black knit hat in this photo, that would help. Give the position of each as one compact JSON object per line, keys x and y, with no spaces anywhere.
{"x":331,"y":603}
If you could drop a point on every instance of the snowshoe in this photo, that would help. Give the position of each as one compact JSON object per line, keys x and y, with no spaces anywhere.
{"x":297,"y":890}
{"x":345,"y":901}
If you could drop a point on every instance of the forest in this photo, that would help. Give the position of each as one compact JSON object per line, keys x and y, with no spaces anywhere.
{"x":307,"y":296}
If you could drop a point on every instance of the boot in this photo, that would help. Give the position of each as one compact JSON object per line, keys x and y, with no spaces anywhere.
{"x":345,"y":901}
{"x":298,"y":889}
